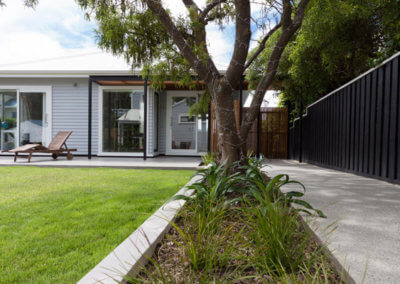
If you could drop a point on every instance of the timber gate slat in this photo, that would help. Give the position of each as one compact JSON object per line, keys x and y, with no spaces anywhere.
{"x":268,"y":135}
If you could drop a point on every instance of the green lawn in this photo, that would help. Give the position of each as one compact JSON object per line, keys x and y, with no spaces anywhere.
{"x":57,"y":224}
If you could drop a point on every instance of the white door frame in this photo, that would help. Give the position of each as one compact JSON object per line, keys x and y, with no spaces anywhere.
{"x":168,"y":148}
{"x":100,"y":151}
{"x":47,"y":90}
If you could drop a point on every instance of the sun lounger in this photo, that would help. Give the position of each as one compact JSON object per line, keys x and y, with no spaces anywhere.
{"x":56,"y":147}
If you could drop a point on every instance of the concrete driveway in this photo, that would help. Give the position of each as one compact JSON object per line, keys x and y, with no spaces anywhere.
{"x":367,"y":215}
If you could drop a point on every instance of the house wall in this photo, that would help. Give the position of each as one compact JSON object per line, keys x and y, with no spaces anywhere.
{"x":69,"y":108}
{"x":70,"y":112}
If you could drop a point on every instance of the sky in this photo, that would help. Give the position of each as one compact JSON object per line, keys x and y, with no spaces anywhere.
{"x":37,"y":38}
{"x":56,"y":36}
{"x":55,"y":29}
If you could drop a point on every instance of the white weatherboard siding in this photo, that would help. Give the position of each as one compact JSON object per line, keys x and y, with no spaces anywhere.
{"x":70,"y":112}
{"x":69,"y":108}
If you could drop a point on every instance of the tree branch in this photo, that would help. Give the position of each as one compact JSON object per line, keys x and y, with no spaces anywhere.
{"x":299,"y":16}
{"x":208,"y":8}
{"x":205,"y":71}
{"x":286,"y":18}
{"x":242,"y":42}
{"x":261,"y":46}
{"x":289,"y":28}
{"x":190,"y":4}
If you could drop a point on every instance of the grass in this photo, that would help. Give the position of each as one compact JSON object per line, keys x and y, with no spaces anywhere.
{"x":57,"y":224}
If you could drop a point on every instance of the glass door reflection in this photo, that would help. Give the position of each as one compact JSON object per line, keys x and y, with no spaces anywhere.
{"x":32,"y":118}
{"x":123,"y":121}
{"x":8,"y":119}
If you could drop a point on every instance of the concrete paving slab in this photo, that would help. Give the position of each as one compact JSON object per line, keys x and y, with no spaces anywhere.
{"x":161,"y":162}
{"x":367,"y":216}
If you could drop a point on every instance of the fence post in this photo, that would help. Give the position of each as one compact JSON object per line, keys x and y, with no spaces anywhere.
{"x":301,"y":132}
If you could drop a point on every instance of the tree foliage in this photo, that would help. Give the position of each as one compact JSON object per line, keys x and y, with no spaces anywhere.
{"x":339,"y":40}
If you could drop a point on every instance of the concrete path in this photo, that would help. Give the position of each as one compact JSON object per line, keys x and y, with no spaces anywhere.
{"x":367,"y":212}
{"x":162,"y":162}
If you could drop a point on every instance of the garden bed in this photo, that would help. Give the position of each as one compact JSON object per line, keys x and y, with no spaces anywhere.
{"x":171,"y":263}
{"x":234,"y":236}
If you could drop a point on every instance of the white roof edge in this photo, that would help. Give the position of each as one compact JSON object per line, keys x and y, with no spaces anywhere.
{"x":69,"y":73}
{"x":348,"y":83}
{"x":62,"y":73}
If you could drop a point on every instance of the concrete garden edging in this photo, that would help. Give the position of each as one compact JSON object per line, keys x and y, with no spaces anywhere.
{"x":340,"y":268}
{"x":130,"y":256}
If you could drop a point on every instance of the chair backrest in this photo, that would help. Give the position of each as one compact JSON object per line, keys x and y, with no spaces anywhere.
{"x":59,"y":140}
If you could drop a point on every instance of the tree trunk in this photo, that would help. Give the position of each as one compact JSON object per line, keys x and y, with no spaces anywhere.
{"x":228,"y":137}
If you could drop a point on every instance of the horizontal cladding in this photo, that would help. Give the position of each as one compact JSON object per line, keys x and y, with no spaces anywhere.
{"x":69,"y":108}
{"x":70,"y":112}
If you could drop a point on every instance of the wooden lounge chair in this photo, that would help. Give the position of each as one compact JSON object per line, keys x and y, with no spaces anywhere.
{"x":56,"y":147}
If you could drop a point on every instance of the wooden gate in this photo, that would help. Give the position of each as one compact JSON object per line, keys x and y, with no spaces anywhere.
{"x":268,"y":135}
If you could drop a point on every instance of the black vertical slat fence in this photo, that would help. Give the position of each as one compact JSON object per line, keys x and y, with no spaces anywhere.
{"x":355,"y":128}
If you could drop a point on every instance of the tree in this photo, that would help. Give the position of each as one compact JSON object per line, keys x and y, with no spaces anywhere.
{"x":149,"y":36}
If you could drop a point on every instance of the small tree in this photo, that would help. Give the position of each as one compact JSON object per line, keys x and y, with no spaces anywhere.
{"x":149,"y":36}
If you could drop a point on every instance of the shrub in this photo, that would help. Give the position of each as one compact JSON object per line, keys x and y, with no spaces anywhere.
{"x":208,"y":158}
{"x":210,"y":192}
{"x":255,"y":183}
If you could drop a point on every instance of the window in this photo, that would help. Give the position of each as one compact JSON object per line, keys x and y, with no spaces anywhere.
{"x":123,"y":121}
{"x":185,"y":118}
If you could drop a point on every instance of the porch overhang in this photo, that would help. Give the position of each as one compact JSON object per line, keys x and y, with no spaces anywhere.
{"x":169,"y":85}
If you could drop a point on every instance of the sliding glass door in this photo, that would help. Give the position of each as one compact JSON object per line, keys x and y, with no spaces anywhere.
{"x":186,"y":134}
{"x":25,"y":116}
{"x":122,"y":121}
{"x":8,"y":119}
{"x":32,"y":107}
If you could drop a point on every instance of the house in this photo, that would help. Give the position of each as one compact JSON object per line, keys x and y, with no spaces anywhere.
{"x":111,"y":113}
